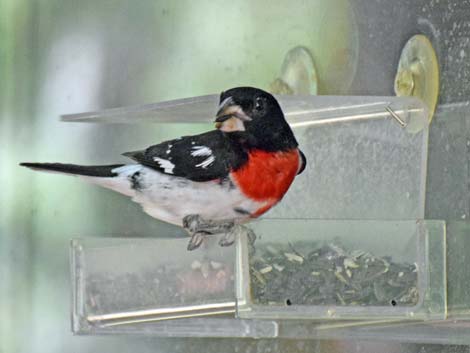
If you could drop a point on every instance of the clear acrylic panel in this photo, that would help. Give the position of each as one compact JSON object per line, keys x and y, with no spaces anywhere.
{"x":156,"y":286}
{"x":119,"y":281}
{"x":358,"y":150}
{"x":350,"y":269}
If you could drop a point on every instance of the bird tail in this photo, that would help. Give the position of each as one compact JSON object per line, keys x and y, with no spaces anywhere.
{"x":114,"y":177}
{"x":102,"y":171}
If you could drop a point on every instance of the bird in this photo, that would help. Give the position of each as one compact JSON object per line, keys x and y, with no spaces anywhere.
{"x":213,"y":182}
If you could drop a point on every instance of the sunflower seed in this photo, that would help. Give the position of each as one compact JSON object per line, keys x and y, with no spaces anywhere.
{"x":293,"y":257}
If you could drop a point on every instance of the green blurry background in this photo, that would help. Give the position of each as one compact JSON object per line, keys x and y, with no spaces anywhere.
{"x":59,"y":57}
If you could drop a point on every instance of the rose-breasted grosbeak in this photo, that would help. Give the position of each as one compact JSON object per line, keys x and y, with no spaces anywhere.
{"x":212,"y":181}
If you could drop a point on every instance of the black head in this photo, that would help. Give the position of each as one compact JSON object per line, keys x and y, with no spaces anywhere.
{"x":255,"y":118}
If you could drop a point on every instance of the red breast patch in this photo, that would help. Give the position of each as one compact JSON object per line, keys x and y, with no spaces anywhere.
{"x":267,"y":176}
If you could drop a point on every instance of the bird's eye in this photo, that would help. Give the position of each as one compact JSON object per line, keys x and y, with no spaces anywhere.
{"x":259,"y":104}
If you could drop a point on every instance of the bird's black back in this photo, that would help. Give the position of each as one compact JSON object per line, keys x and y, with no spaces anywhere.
{"x":203,"y":157}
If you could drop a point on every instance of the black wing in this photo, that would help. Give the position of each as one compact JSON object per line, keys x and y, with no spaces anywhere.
{"x":203,"y":157}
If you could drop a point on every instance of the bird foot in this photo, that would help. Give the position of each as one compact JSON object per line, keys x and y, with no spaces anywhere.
{"x":229,"y":237}
{"x":200,"y":228}
{"x":251,"y":236}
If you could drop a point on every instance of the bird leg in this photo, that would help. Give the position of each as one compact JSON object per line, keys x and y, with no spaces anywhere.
{"x":195,"y":223}
{"x":199,"y":228}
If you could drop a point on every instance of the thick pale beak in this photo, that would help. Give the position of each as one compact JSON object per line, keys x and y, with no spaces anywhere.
{"x":230,"y":116}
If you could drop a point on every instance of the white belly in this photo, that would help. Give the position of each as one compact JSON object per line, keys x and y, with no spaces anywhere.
{"x":171,"y":198}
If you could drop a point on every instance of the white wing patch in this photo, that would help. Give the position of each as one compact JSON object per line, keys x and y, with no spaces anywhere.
{"x":199,"y":151}
{"x":165,"y":164}
{"x":206,"y":162}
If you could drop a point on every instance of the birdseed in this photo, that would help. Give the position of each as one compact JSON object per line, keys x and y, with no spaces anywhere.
{"x":329,"y":275}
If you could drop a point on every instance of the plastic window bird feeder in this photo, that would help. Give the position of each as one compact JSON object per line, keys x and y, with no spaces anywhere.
{"x":363,"y":188}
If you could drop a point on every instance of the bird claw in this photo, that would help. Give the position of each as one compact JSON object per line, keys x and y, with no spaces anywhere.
{"x":227,"y":239}
{"x":196,"y":240}
{"x":230,"y":236}
{"x":251,"y":236}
